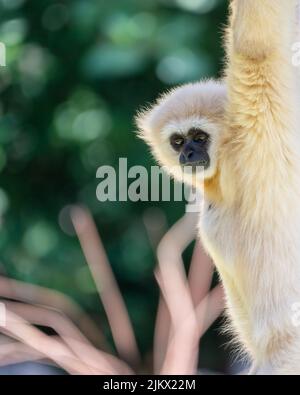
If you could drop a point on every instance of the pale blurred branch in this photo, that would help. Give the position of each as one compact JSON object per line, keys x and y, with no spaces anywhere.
{"x":16,"y":352}
{"x":54,"y":349}
{"x":36,"y":295}
{"x":106,"y":284}
{"x":187,"y":308}
{"x":170,"y":248}
{"x":188,"y":303}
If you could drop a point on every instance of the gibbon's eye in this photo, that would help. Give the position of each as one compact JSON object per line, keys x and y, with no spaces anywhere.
{"x":200,"y":137}
{"x":177,"y":141}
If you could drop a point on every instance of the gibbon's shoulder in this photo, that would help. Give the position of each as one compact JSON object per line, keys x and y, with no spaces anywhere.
{"x":202,"y":99}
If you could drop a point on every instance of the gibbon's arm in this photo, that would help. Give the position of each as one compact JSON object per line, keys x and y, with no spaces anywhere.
{"x":260,"y":167}
{"x":262,"y":94}
{"x":262,"y":27}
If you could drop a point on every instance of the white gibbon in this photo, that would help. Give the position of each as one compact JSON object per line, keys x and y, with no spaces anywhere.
{"x":245,"y":132}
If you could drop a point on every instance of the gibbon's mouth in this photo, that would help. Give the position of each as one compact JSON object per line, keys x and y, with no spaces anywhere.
{"x":201,"y":164}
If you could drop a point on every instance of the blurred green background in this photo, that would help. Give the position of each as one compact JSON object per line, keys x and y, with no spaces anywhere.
{"x":76,"y":73}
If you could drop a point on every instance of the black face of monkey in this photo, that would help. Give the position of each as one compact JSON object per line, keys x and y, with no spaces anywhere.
{"x":192,"y":148}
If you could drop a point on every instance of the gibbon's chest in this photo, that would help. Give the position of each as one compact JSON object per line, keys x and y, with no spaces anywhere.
{"x":219,"y":236}
{"x":237,"y":247}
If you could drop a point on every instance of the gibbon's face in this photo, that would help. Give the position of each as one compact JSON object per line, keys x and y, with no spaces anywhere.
{"x":192,"y":147}
{"x":183,"y":128}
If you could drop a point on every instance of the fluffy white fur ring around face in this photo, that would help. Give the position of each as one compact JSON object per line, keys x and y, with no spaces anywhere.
{"x":247,"y":137}
{"x":199,"y":106}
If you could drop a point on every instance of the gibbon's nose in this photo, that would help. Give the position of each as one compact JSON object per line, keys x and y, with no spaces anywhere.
{"x":186,"y":157}
{"x":191,"y":157}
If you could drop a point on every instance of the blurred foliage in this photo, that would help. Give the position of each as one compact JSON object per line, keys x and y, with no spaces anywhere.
{"x":76,"y":73}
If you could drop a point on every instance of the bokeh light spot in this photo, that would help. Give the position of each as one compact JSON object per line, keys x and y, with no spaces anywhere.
{"x":13,"y":31}
{"x":12,"y":4}
{"x":40,"y":239}
{"x":201,"y":6}
{"x":182,"y":66}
